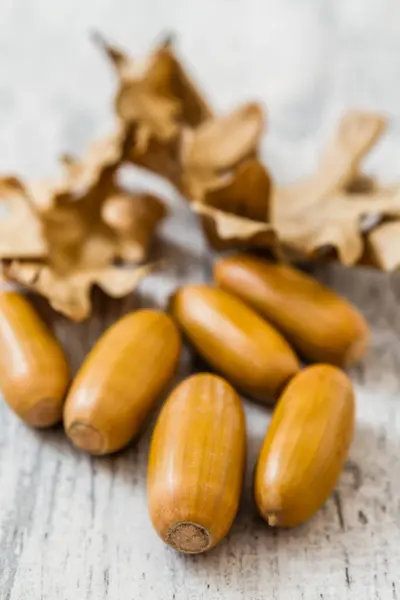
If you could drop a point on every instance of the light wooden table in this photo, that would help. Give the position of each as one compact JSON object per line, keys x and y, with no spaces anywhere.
{"x":72,"y":526}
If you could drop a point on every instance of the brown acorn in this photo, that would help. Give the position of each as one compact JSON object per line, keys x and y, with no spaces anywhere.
{"x":121,"y":380}
{"x":305,"y":447}
{"x":196,"y":464}
{"x":321,"y":325}
{"x":34,"y":373}
{"x":235,"y":341}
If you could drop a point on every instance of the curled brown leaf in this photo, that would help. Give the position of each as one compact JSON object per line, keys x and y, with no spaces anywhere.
{"x":133,"y":218}
{"x":70,"y":209}
{"x":225,"y":230}
{"x":221,"y":142}
{"x":317,"y":213}
{"x":383,"y":246}
{"x":218,"y":145}
{"x":245,"y":191}
{"x":159,"y":157}
{"x":155,"y":98}
{"x":85,"y":224}
{"x":157,"y":94}
{"x":71,"y":294}
{"x":21,"y":232}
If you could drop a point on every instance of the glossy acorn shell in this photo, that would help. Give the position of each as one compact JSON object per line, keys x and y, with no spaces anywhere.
{"x":34,"y":373}
{"x":120,"y":381}
{"x":321,"y":325}
{"x":305,"y":447}
{"x":196,"y":464}
{"x":235,"y":340}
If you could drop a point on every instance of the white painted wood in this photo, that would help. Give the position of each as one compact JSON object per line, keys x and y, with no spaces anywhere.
{"x":72,"y":527}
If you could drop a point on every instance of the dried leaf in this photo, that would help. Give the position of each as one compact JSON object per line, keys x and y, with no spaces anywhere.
{"x":317,"y":213}
{"x":21,"y":234}
{"x":356,"y":134}
{"x":133,"y":218}
{"x":220,"y":143}
{"x":217,"y":145}
{"x":70,"y":210}
{"x":244,"y":192}
{"x":81,"y":245}
{"x":143,"y":96}
{"x":45,"y":194}
{"x":80,"y":176}
{"x":338,"y":224}
{"x":156,"y":98}
{"x":360,"y":183}
{"x":333,"y":209}
{"x":384,"y":246}
{"x":71,"y":295}
{"x":159,"y":157}
{"x":225,"y":230}
{"x":157,"y":94}
{"x":97,"y":166}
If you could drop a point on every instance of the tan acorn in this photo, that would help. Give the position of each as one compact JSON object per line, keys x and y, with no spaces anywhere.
{"x":121,"y":380}
{"x":321,"y":325}
{"x":196,"y":464}
{"x":305,"y":447}
{"x":34,"y":373}
{"x":235,"y":341}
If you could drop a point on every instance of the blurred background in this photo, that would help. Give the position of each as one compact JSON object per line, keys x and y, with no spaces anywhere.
{"x":307,"y":61}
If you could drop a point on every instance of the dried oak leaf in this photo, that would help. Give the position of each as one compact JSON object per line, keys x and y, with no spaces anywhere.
{"x":82,"y":246}
{"x":21,"y":234}
{"x":244,"y":192}
{"x":226,"y":230}
{"x":159,"y":157}
{"x":317,"y":214}
{"x":382,"y":249}
{"x":133,"y":218}
{"x":383,"y":246}
{"x":155,"y":98}
{"x":327,"y":211}
{"x":70,"y":209}
{"x":360,"y":183}
{"x":71,"y":294}
{"x":98,"y":166}
{"x":236,"y":211}
{"x":230,"y":186}
{"x":158,"y":94}
{"x":217,"y":146}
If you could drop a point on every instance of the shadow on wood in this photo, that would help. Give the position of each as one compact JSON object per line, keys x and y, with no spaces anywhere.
{"x":78,"y":338}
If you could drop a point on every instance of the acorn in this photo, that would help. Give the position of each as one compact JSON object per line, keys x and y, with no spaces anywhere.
{"x":235,"y":341}
{"x":321,"y":325}
{"x":196,"y":464}
{"x":121,"y":380}
{"x":34,"y":374}
{"x":305,"y":447}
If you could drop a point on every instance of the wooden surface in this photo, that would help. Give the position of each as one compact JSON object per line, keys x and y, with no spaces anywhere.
{"x":77,"y":527}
